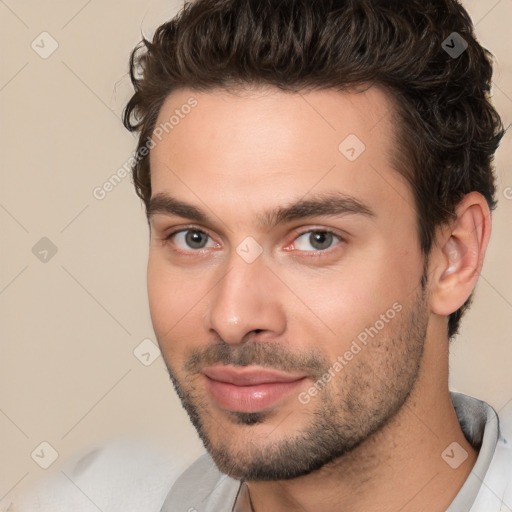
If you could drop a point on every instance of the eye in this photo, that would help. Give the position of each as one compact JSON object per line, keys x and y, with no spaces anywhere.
{"x":320,"y":240}
{"x":187,"y":239}
{"x":194,"y":240}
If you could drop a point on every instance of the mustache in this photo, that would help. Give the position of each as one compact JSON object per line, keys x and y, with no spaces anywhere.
{"x":264,"y":354}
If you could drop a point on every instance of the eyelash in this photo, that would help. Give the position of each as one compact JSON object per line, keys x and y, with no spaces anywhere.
{"x":312,"y":254}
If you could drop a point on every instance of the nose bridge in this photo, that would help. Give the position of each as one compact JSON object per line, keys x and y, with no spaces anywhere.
{"x":242,"y":300}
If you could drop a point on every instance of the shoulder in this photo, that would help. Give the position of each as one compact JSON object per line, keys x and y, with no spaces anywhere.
{"x":202,"y":488}
{"x":501,"y":463}
{"x":496,"y":491}
{"x":124,"y":474}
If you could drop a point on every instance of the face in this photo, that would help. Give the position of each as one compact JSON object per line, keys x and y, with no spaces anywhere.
{"x":284,"y":273}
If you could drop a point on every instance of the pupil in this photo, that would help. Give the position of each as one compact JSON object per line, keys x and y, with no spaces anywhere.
{"x":321,"y":239}
{"x":194,"y":239}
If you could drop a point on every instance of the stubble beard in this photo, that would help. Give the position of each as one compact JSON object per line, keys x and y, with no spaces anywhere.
{"x":355,"y":405}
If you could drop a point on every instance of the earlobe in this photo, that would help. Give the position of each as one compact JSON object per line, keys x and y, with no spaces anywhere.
{"x":460,"y":257}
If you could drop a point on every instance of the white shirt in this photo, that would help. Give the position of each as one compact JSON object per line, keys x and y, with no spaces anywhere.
{"x":126,"y":477}
{"x":203,"y":488}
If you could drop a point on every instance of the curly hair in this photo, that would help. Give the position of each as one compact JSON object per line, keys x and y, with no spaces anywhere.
{"x":446,"y":125}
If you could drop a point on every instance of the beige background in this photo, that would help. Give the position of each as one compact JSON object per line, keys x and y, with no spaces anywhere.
{"x":70,"y":325}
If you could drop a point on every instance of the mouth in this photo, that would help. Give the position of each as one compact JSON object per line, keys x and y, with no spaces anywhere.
{"x":249,"y":389}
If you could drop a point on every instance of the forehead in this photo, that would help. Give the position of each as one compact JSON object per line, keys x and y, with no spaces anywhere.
{"x":265,"y":146}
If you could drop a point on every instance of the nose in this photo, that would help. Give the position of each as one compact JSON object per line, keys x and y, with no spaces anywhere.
{"x":245,"y":300}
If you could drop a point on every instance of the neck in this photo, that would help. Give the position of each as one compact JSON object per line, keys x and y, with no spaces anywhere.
{"x":398,"y":468}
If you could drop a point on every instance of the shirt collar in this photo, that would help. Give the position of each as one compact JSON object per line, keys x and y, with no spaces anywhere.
{"x":478,"y":422}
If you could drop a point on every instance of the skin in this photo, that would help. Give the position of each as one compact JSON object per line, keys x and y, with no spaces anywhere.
{"x":236,"y":156}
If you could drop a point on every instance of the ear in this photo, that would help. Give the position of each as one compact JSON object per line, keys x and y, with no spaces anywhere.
{"x":458,"y":256}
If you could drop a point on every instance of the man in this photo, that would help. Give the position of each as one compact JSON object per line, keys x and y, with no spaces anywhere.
{"x":318,"y":181}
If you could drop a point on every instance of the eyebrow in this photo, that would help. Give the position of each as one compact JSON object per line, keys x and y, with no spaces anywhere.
{"x":331,"y":204}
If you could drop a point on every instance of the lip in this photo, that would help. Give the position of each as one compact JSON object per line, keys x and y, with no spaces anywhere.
{"x":249,"y":389}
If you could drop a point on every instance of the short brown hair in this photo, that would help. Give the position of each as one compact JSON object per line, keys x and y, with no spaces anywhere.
{"x":448,"y":128}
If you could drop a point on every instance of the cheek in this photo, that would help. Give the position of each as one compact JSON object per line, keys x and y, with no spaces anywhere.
{"x":176,"y":307}
{"x":165,"y":296}
{"x":356,"y":297}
